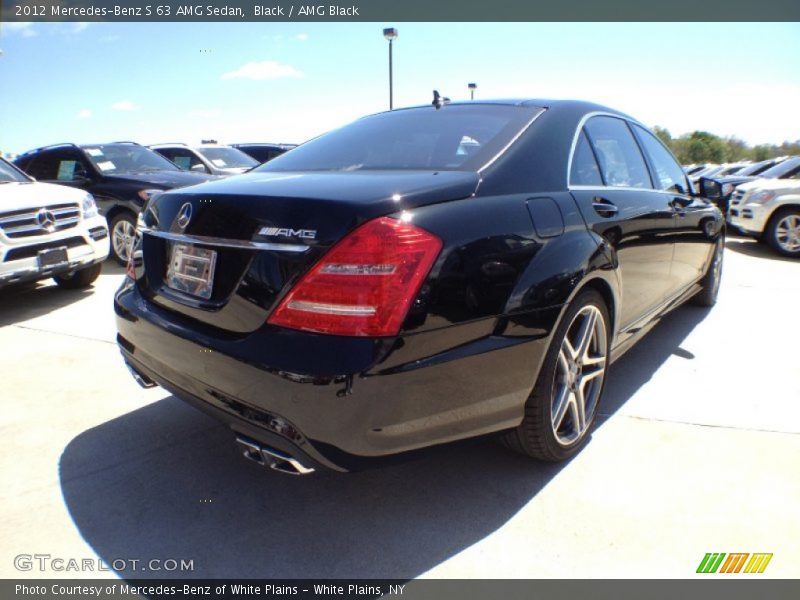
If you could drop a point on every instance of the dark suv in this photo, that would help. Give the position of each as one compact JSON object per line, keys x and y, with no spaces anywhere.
{"x":121,"y":176}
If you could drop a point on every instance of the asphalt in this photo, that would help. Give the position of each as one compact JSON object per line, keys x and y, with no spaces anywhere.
{"x":697,"y":450}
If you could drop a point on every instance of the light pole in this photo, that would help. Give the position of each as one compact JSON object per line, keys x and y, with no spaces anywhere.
{"x":472,"y":87}
{"x":390,"y":34}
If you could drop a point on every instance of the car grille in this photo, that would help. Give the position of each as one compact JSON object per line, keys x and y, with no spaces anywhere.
{"x":34,"y":249}
{"x":39,"y":221}
{"x":737,"y":196}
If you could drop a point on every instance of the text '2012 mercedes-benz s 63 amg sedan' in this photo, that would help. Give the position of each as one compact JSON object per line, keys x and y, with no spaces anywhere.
{"x":418,"y":277}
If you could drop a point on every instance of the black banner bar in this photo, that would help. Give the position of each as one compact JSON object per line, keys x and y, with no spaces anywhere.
{"x":736,"y":587}
{"x":150,"y":11}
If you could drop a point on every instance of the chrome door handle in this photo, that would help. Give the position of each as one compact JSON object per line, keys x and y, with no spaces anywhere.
{"x":604,"y":208}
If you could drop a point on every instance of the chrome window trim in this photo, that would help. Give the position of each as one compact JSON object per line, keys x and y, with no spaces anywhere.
{"x":576,"y":135}
{"x":225,"y":243}
{"x":519,"y":134}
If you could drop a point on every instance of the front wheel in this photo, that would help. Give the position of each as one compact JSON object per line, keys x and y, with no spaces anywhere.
{"x":562,"y":408}
{"x":78,"y":279}
{"x":123,"y":235}
{"x":783,"y":232}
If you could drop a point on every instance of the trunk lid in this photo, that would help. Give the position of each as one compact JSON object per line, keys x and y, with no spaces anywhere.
{"x":266,"y":230}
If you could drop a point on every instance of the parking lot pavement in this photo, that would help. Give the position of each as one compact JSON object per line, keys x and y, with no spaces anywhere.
{"x":697,"y":450}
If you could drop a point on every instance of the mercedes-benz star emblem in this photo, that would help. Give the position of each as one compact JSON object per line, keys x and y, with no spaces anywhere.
{"x":184,"y":215}
{"x":46,"y":220}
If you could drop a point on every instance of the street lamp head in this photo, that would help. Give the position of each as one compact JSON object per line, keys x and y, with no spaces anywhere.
{"x":472,"y":86}
{"x":390,"y":33}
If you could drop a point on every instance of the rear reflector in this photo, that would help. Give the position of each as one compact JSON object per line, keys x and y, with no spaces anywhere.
{"x":365,"y":284}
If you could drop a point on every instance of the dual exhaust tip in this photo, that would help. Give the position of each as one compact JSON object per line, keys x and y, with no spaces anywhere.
{"x":272,"y":458}
{"x":263,"y":455}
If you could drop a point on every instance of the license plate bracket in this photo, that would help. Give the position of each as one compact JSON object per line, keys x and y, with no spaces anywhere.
{"x":191,"y":270}
{"x":52,"y":257}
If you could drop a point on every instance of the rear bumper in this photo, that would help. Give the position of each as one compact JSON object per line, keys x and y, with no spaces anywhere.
{"x":342,"y":403}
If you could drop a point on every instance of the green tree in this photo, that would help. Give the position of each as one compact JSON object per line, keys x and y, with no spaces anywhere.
{"x":705,"y":147}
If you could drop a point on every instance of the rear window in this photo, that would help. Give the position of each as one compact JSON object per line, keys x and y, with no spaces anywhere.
{"x":455,"y":137}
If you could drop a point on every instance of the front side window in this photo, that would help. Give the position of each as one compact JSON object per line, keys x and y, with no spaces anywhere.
{"x":668,"y":173}
{"x":584,"y":170}
{"x":455,"y":137}
{"x":621,"y":162}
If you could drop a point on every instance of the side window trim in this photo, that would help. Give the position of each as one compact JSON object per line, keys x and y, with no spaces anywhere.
{"x":645,"y":156}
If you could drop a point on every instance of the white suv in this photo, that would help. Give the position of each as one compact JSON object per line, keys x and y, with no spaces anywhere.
{"x":48,"y":231}
{"x":769,"y":209}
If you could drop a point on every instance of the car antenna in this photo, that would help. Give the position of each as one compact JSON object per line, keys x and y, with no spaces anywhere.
{"x":439,"y":101}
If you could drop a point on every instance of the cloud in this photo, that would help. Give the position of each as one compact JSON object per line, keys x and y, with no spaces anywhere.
{"x":263,"y":71}
{"x":109,"y":38}
{"x":301,"y":37}
{"x":124,"y":105}
{"x":84,"y":114}
{"x":24,"y":28}
{"x":78,"y":27}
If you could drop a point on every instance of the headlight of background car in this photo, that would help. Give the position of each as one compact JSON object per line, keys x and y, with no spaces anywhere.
{"x":145,"y":195}
{"x":762,"y":197}
{"x":88,"y":207}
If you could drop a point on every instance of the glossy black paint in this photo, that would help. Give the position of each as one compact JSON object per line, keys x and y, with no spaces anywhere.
{"x":518,"y":244}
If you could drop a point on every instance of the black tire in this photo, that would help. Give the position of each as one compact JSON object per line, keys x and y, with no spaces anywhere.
{"x":537,"y":436}
{"x":124,"y":221}
{"x":774,"y":237}
{"x":710,"y":282}
{"x":79,"y":279}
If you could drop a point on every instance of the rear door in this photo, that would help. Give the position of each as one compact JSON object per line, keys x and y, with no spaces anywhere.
{"x":611,"y":183}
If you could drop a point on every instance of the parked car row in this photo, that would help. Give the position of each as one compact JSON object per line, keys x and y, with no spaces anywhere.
{"x":122,"y":176}
{"x":762,"y":201}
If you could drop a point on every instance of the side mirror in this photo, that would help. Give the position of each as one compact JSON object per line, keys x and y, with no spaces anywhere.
{"x":709,"y":188}
{"x":199,"y":168}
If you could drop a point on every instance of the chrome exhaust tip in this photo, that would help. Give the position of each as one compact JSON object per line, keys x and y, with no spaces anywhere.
{"x":141,"y":379}
{"x":272,"y":458}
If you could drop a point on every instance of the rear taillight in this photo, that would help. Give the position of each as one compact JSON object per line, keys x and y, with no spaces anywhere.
{"x":365,"y":284}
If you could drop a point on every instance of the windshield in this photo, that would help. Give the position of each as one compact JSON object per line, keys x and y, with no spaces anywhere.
{"x":9,"y":173}
{"x":227,"y":158}
{"x":756,"y":168}
{"x":129,"y":158}
{"x":455,"y":137}
{"x":782,"y":169}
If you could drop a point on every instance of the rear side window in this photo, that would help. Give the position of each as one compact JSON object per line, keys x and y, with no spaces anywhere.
{"x":621,"y":162}
{"x":44,"y":167}
{"x":584,"y":170}
{"x":668,"y":173}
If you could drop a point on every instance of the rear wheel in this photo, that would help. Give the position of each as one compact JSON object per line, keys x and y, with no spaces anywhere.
{"x":562,"y":408}
{"x":123,"y":234}
{"x":711,"y":280}
{"x":79,"y":279}
{"x":783,"y":232}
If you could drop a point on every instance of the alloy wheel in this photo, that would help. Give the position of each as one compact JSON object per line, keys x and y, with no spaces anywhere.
{"x":787,"y":233}
{"x":122,"y":237}
{"x":580,"y":371}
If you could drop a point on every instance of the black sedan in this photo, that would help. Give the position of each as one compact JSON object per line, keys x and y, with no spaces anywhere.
{"x":418,"y":277}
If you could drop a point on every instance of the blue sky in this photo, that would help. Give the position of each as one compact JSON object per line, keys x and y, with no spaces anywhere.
{"x":288,"y":82}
